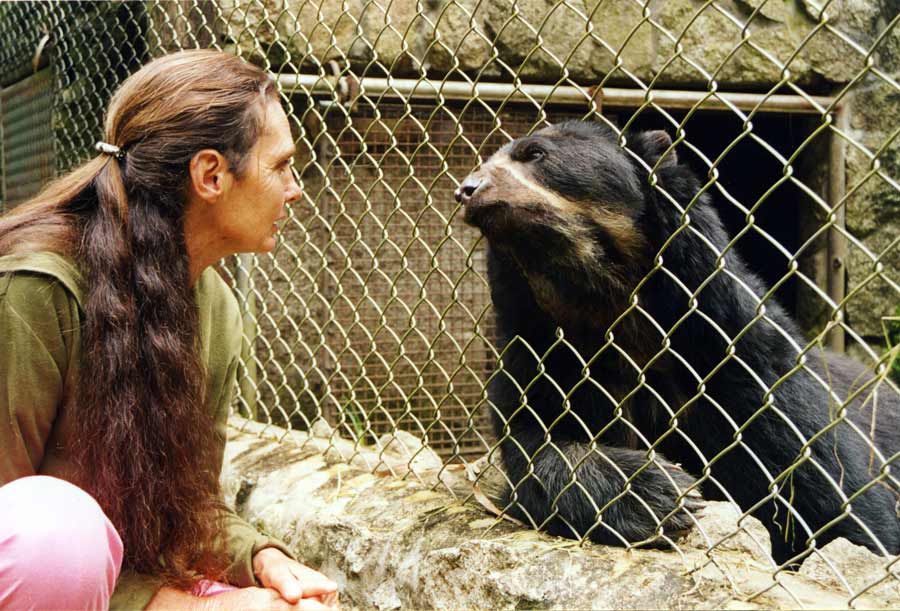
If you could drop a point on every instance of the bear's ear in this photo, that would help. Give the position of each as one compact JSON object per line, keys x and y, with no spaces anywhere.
{"x":652,"y":145}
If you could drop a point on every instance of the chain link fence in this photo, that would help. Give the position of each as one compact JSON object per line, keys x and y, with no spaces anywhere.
{"x":373,"y":320}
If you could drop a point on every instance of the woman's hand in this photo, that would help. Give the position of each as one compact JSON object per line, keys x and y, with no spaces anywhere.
{"x":292,"y":580}
{"x":288,"y":586}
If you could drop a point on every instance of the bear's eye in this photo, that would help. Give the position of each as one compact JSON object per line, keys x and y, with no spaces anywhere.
{"x":533,"y":153}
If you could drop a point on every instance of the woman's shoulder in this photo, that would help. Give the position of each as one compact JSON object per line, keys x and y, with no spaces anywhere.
{"x":40,"y":301}
{"x":34,"y":270}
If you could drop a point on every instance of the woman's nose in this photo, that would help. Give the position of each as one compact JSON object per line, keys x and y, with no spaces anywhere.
{"x":294,"y":191}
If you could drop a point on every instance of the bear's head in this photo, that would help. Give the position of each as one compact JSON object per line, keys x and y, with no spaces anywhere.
{"x":574,"y":210}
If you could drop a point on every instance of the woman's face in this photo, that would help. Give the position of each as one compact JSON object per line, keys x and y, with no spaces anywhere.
{"x":249,"y":214}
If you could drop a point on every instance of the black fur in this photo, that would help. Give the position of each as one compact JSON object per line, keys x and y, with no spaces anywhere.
{"x":555,"y":402}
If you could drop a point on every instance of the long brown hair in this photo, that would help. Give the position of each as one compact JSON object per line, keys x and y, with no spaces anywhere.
{"x":144,"y":442}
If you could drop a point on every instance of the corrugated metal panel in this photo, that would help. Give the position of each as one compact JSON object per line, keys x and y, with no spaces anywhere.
{"x":27,"y":159}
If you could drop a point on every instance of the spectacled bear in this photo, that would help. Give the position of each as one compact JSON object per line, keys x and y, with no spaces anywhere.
{"x":640,"y":365}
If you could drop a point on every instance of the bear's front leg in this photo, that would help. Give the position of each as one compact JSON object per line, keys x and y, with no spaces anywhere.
{"x":605,"y":493}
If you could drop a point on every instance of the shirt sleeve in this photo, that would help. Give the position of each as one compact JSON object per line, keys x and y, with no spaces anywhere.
{"x":38,"y":319}
{"x":242,"y":540}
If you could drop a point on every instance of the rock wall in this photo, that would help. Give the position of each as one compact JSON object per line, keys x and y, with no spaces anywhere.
{"x":678,"y":42}
{"x":397,"y":531}
{"x":873,"y":185}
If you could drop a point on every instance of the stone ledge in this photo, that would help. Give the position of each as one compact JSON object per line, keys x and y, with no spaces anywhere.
{"x":395,"y":540}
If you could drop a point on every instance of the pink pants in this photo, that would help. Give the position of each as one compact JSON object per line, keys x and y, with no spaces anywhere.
{"x":58,"y":550}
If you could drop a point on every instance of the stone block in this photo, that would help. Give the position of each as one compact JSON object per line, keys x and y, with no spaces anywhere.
{"x":873,"y":205}
{"x":392,"y":31}
{"x":583,"y":40}
{"x":749,"y":43}
{"x":630,"y":41}
{"x":876,"y":299}
{"x":303,"y":33}
{"x":740,"y":43}
{"x":843,"y":562}
{"x":539,"y":38}
{"x":716,"y":45}
{"x":457,"y":37}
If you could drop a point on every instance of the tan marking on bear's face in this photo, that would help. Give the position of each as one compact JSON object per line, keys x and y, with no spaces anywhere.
{"x":517,"y":178}
{"x":620,"y":228}
{"x":513,"y":183}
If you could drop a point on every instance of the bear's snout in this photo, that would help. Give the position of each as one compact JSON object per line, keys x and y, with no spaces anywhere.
{"x":467,"y":189}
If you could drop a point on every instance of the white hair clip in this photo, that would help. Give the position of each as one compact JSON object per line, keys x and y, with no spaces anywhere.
{"x":109,"y":149}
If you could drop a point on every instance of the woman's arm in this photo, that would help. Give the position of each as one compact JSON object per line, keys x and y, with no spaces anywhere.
{"x":36,"y":315}
{"x":256,"y":559}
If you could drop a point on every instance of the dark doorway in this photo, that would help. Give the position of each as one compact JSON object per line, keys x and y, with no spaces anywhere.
{"x":746,"y":173}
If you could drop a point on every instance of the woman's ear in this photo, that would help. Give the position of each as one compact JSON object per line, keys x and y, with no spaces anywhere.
{"x":210,"y":176}
{"x":653,"y":146}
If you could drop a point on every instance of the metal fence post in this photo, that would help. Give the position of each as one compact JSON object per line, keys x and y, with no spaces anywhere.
{"x":248,"y":382}
{"x":837,"y":243}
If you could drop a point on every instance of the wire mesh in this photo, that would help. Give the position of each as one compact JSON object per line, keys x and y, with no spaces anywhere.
{"x":374,"y":314}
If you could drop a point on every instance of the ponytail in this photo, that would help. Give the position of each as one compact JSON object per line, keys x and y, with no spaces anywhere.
{"x":150,"y":373}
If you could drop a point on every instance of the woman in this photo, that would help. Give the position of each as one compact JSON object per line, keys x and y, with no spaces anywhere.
{"x":119,"y":347}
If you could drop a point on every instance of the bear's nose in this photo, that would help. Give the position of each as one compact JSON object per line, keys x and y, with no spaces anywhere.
{"x":465,"y":191}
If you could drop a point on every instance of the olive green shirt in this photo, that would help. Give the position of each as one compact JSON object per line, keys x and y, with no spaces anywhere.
{"x":40,"y":351}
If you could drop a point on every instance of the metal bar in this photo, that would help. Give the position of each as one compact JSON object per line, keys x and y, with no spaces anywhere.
{"x":248,"y":384}
{"x":4,"y":206}
{"x":837,"y":243}
{"x":562,"y":94}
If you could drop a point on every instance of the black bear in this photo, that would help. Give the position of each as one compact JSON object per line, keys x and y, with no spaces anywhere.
{"x":638,"y":355}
